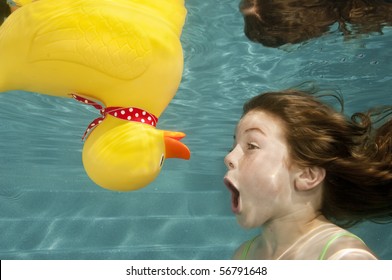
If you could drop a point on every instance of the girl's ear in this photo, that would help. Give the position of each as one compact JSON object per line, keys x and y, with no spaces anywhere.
{"x":308,"y":178}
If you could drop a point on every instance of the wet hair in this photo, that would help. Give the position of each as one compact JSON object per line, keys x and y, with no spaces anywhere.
{"x":356,"y":155}
{"x":274,"y":23}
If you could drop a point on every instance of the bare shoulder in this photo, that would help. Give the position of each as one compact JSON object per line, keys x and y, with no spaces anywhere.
{"x":353,"y":254}
{"x":349,"y":247}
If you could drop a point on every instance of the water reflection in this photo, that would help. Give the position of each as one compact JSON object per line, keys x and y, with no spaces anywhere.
{"x":274,"y":23}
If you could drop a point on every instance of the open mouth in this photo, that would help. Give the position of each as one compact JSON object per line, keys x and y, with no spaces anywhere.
{"x":235,"y":195}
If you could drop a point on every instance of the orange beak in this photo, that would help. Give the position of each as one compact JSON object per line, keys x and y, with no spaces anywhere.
{"x":174,"y":148}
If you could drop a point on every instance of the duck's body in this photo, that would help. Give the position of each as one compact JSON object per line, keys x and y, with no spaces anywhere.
{"x":123,"y":53}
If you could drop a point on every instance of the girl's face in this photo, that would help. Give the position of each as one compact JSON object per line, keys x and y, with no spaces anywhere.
{"x":258,"y":174}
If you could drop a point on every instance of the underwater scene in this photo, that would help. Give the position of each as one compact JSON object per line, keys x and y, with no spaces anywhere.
{"x":51,"y":209}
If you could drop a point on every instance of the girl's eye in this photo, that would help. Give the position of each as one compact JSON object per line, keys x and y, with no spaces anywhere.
{"x":252,"y":146}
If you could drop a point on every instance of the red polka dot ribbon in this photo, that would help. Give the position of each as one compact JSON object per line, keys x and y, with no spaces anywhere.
{"x":128,"y":114}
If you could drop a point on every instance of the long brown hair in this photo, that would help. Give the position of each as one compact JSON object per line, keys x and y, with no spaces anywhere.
{"x":357,"y":156}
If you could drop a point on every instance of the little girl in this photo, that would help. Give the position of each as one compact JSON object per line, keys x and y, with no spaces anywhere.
{"x":304,"y":172}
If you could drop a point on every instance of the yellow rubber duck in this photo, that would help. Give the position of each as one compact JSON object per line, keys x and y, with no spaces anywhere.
{"x":125,"y":54}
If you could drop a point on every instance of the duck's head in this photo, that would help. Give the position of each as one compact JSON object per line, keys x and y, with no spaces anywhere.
{"x":129,"y":156}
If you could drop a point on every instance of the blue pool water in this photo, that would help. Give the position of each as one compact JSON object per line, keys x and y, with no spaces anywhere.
{"x":49,"y":208}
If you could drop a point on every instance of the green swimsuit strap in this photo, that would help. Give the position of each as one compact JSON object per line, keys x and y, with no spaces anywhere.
{"x":332,"y":239}
{"x":248,"y":244}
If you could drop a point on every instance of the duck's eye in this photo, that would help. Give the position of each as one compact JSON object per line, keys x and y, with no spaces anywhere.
{"x":162,"y":160}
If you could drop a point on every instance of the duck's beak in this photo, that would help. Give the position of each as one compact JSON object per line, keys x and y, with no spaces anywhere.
{"x":174,"y":148}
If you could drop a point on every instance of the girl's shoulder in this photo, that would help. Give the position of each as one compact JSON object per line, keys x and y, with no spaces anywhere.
{"x":344,"y":245}
{"x":326,"y":242}
{"x":334,"y":243}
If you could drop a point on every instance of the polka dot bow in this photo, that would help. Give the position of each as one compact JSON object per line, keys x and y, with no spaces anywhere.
{"x":129,"y":114}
